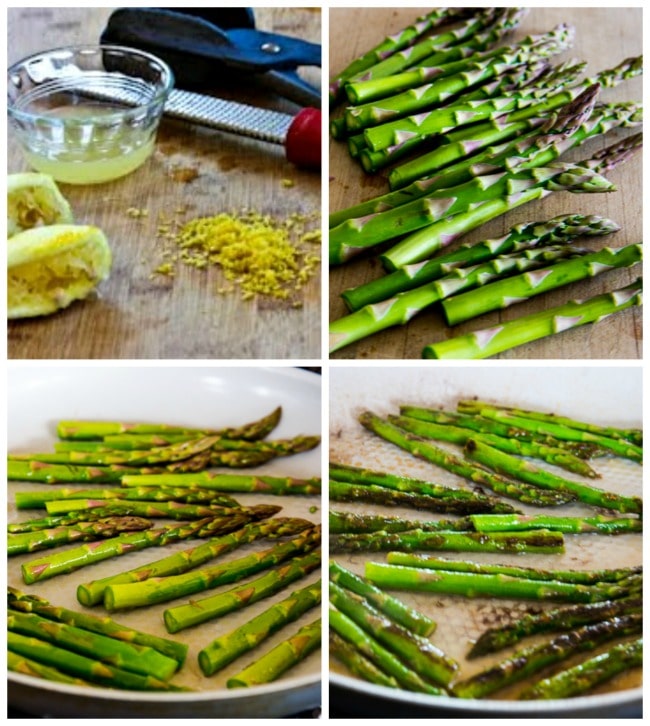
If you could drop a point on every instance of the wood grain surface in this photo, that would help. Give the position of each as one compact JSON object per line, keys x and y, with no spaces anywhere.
{"x":138,"y":314}
{"x":604,"y":37}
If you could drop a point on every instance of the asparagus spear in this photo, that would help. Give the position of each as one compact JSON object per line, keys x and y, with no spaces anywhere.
{"x":531,"y":660}
{"x":353,"y":523}
{"x":488,"y":342}
{"x":358,"y":663}
{"x":400,"y":309}
{"x":465,"y":142}
{"x":424,"y":658}
{"x":102,"y":625}
{"x":57,"y":473}
{"x":383,"y":658}
{"x":414,"y":54}
{"x":135,"y":658}
{"x":578,"y":577}
{"x":559,"y":230}
{"x":411,"y":619}
{"x":556,"y":620}
{"x":389,"y":46}
{"x":18,"y":544}
{"x":29,"y":667}
{"x":583,"y":677}
{"x":229,"y":646}
{"x":526,"y":471}
{"x":634,"y":435}
{"x":470,"y":584}
{"x":366,"y":115}
{"x":423,"y":244}
{"x":567,"y":525}
{"x":535,"y":541}
{"x":228,"y":482}
{"x":357,"y":475}
{"x":92,"y":593}
{"x":340,"y":491}
{"x":73,"y":559}
{"x":424,"y":449}
{"x":502,"y":293}
{"x":38,"y":499}
{"x":495,"y":146}
{"x":162,"y":589}
{"x":354,"y":236}
{"x":93,"y":430}
{"x":86,"y":668}
{"x":460,"y":436}
{"x":280,"y":659}
{"x":167,"y":510}
{"x":559,"y":431}
{"x":196,"y":612}
{"x":585,"y":450}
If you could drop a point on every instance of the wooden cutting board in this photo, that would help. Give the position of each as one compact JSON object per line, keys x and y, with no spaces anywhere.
{"x":604,"y":37}
{"x":138,"y":314}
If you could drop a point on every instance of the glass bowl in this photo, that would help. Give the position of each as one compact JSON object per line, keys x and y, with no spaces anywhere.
{"x":87,"y":114}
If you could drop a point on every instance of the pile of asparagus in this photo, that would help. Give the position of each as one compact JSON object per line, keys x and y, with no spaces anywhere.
{"x":487,"y":124}
{"x":162,"y":473}
{"x":498,"y":447}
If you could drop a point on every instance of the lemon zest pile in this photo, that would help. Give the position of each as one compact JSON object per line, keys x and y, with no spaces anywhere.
{"x":257,"y":253}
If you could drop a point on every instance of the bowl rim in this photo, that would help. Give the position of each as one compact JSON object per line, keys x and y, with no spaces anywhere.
{"x":159,"y":97}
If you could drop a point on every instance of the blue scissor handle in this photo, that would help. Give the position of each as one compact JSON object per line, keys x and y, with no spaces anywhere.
{"x":244,"y":49}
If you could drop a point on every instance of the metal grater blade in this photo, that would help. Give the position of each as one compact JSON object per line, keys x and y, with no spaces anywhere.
{"x":230,"y":116}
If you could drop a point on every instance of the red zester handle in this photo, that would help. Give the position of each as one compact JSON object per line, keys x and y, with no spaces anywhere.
{"x":303,"y":142}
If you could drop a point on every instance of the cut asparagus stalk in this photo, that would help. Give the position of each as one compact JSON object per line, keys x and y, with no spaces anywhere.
{"x":280,"y":659}
{"x":228,"y":482}
{"x":135,"y":658}
{"x":533,"y":542}
{"x":29,"y":667}
{"x":400,"y":309}
{"x":526,"y":471}
{"x":458,"y":435}
{"x":567,"y":525}
{"x":503,"y":293}
{"x":353,"y":523}
{"x":357,"y":475}
{"x":383,"y":658}
{"x":230,"y":646}
{"x":357,"y":663}
{"x":200,"y":611}
{"x":102,"y":625}
{"x":424,"y":658}
{"x":581,"y":678}
{"x":93,"y":430}
{"x":92,"y":593}
{"x":469,"y":584}
{"x":531,"y":660}
{"x":559,"y":431}
{"x":424,"y":449}
{"x":43,"y":539}
{"x":487,"y":342}
{"x":86,"y":668}
{"x":559,"y":230}
{"x":556,"y":620}
{"x":411,"y":619}
{"x":162,"y":589}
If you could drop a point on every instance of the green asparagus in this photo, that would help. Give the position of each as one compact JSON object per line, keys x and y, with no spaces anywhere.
{"x":411,"y":619}
{"x":567,"y":525}
{"x":200,"y":611}
{"x":229,"y":646}
{"x":353,"y":523}
{"x":228,"y":482}
{"x":424,"y":449}
{"x":277,"y":661}
{"x":487,"y":342}
{"x":522,"y":470}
